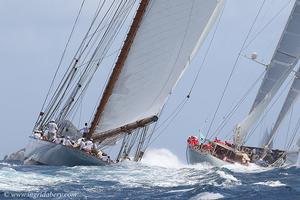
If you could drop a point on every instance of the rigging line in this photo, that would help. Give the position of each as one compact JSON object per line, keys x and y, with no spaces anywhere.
{"x":288,"y":131}
{"x":235,"y":108}
{"x":110,"y":14}
{"x":63,"y":54}
{"x":97,"y":12}
{"x":121,"y":23}
{"x":267,"y":24}
{"x":154,"y":128}
{"x":170,"y":122}
{"x":67,"y":73}
{"x":172,"y":114}
{"x":108,"y":76}
{"x":99,"y":59}
{"x":263,"y":117}
{"x":294,"y":133}
{"x":206,"y":53}
{"x":151,"y":135}
{"x":234,"y":67}
{"x":79,"y":51}
{"x":88,"y":69}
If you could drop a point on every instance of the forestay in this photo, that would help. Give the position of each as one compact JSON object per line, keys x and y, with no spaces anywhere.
{"x":283,"y":62}
{"x":168,"y":36}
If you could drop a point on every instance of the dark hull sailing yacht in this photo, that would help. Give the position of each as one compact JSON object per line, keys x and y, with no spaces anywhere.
{"x":282,"y":65}
{"x":164,"y":36}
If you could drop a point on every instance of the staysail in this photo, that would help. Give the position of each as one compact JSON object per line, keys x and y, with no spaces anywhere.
{"x":167,"y":34}
{"x":283,"y":62}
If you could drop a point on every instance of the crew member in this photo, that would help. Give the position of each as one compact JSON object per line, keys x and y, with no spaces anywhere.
{"x":52,"y":130}
{"x":84,"y":130}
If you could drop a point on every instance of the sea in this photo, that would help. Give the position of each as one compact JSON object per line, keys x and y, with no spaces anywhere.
{"x":161,"y":175}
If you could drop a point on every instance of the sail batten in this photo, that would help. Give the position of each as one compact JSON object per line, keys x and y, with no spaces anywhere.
{"x":166,"y":39}
{"x":283,"y":62}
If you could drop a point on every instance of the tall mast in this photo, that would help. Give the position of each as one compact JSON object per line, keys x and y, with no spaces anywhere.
{"x":119,"y":65}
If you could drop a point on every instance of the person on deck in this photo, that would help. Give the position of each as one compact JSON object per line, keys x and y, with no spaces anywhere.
{"x":81,"y":143}
{"x":37,"y":134}
{"x":57,"y":140}
{"x":67,"y":142}
{"x":88,"y":146}
{"x":84,"y":130}
{"x":52,"y":130}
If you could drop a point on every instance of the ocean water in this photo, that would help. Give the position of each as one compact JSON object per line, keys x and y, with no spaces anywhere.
{"x":159,"y":176}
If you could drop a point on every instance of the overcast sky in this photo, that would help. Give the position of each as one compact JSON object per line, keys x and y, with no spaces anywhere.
{"x":33,"y":34}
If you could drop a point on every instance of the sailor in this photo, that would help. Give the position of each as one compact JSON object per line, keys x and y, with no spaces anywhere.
{"x":100,"y":154}
{"x":109,"y":160}
{"x":57,"y":140}
{"x":88,"y":146}
{"x":37,"y":134}
{"x":52,"y":130}
{"x":81,"y":142}
{"x":84,"y":130}
{"x":67,"y":141}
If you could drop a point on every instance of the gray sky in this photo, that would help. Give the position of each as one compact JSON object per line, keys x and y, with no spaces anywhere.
{"x":33,"y":34}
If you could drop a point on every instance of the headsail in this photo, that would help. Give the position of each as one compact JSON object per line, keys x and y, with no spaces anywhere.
{"x":167,"y":37}
{"x":292,"y":96}
{"x":283,"y":62}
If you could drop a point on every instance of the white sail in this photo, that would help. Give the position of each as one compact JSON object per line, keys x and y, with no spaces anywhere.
{"x":286,"y":53}
{"x":283,"y":62}
{"x":168,"y":36}
{"x":289,"y":101}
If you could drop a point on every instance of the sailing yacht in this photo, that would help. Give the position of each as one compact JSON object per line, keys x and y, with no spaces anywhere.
{"x":282,"y":64}
{"x":162,"y":39}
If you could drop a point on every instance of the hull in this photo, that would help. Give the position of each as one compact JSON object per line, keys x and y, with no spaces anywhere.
{"x":49,"y":153}
{"x":194,"y":157}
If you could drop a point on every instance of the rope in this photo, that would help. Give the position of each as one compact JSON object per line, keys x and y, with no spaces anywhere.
{"x":260,"y":121}
{"x":206,"y":52}
{"x":288,"y":131}
{"x":233,"y":69}
{"x":62,"y":57}
{"x":171,"y":120}
{"x":235,"y":108}
{"x":266,"y":25}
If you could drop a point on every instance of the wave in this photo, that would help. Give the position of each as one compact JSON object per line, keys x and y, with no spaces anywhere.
{"x":162,"y":158}
{"x":13,"y":180}
{"x":207,"y":196}
{"x":271,"y":183}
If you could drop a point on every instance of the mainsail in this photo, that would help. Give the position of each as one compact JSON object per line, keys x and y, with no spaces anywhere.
{"x":283,"y":62}
{"x":166,"y":36}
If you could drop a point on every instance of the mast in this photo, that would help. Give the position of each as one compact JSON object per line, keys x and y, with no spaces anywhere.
{"x":119,"y":64}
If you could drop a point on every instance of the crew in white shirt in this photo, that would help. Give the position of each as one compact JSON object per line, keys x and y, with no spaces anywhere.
{"x":67,"y":141}
{"x":88,"y":146}
{"x":52,"y":130}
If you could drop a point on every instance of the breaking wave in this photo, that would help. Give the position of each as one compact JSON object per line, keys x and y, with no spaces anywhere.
{"x":161,"y":175}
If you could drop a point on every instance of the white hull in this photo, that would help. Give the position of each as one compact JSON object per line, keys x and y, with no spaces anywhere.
{"x":49,"y":153}
{"x":193,"y":157}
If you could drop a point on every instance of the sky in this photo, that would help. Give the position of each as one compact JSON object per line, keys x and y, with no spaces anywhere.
{"x":33,"y":34}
